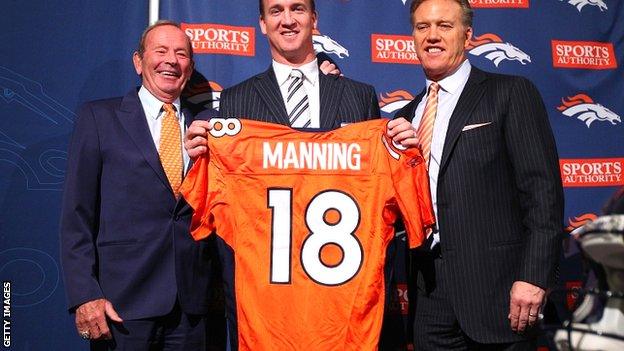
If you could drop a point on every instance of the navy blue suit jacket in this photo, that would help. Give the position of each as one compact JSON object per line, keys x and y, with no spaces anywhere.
{"x":124,"y":235}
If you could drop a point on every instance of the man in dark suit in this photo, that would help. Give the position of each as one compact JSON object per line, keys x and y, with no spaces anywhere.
{"x":481,"y":279}
{"x":322,"y":101}
{"x":132,"y":272}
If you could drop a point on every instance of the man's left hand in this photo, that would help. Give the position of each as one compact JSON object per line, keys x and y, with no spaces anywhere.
{"x":329,"y":68}
{"x":525,"y":305}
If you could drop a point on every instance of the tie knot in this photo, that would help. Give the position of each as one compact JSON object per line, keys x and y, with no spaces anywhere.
{"x":169,"y":108}
{"x":295,"y":73}
{"x":434,"y":87}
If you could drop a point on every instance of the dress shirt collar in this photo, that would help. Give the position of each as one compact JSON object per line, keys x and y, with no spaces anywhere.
{"x":310,"y":70}
{"x":152,"y":106}
{"x":455,"y":82}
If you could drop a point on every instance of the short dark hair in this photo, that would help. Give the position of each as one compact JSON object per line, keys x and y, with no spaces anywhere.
{"x":160,"y":23}
{"x":466,"y":9}
{"x":261,"y":7}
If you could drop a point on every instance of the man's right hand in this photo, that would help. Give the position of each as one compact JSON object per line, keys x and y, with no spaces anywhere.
{"x":91,"y":319}
{"x":401,"y":131}
{"x":195,"y":138}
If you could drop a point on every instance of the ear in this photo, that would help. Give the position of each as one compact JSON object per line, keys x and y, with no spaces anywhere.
{"x":262,"y":25}
{"x":314,"y":20}
{"x":137,"y":61}
{"x":468,"y":37}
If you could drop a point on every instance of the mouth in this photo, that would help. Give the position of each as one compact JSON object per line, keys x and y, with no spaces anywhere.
{"x":169,"y":74}
{"x":290,"y":33}
{"x":433,"y":50}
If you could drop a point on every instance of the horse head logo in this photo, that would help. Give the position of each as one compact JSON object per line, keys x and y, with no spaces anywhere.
{"x":46,"y":169}
{"x":496,"y":51}
{"x":206,"y":94}
{"x":583,"y":108}
{"x":582,"y":3}
{"x":394,"y":100}
{"x":323,"y":43}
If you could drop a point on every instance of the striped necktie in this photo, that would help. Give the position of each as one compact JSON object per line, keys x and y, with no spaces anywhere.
{"x":297,"y":104}
{"x":425,"y":128}
{"x":170,"y":148}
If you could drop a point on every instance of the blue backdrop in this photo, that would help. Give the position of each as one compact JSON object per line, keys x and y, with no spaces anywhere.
{"x":58,"y":54}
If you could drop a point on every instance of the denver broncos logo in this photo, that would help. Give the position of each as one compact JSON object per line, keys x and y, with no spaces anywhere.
{"x":582,"y":3}
{"x":43,"y":166}
{"x":583,"y":107}
{"x":492,"y":46}
{"x":394,"y":100}
{"x":577,"y":222}
{"x":323,"y":43}
{"x":206,"y":94}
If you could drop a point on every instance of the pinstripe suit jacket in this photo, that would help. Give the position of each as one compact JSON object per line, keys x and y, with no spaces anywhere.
{"x":500,"y":201}
{"x":342,"y":100}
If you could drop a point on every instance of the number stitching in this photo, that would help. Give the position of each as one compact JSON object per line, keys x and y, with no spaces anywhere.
{"x":351,"y":247}
{"x":321,"y":233}
{"x":280,"y":262}
{"x":229,"y":126}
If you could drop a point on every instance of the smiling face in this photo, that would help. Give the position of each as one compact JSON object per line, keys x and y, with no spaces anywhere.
{"x":440,"y":37}
{"x":288,"y":25}
{"x":166,"y":64}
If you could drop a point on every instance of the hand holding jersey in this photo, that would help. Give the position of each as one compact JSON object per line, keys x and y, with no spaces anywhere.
{"x":311,"y":231}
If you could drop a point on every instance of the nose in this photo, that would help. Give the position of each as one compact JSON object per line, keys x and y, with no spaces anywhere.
{"x":171,"y":58}
{"x":433,"y":34}
{"x":287,"y":19}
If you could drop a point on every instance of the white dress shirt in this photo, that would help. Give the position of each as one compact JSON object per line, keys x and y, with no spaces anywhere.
{"x":154,"y":115}
{"x":451,"y":88}
{"x":311,"y":85}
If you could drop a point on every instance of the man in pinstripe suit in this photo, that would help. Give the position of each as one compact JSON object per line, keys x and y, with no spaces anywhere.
{"x":331,"y":100}
{"x":481,"y":280}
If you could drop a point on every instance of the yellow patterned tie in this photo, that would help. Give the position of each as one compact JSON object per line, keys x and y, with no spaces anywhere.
{"x":170,"y":148}
{"x":425,"y":128}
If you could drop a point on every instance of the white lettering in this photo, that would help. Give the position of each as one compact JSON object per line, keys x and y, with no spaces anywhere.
{"x":313,"y":156}
{"x":272,"y":158}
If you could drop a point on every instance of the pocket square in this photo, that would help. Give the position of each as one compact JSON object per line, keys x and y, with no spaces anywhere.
{"x":473,"y":126}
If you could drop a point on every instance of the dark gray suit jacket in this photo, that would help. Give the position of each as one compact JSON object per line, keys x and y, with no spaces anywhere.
{"x":342,"y":100}
{"x":500,"y":201}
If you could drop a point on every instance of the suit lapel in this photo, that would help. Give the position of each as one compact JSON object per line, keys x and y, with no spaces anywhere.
{"x":468,"y":100}
{"x":132,"y":118}
{"x":409,"y":110}
{"x":268,"y":89}
{"x":330,"y":88}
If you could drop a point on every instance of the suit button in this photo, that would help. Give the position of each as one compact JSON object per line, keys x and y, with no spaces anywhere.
{"x":176,"y":217}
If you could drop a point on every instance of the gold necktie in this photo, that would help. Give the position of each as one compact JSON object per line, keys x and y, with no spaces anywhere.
{"x":170,"y":148}
{"x":425,"y":128}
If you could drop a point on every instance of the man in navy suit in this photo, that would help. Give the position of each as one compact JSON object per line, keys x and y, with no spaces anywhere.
{"x":330,"y":100}
{"x":134,"y":277}
{"x":481,"y":280}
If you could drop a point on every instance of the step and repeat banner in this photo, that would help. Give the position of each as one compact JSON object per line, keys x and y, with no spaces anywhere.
{"x":59,"y":54}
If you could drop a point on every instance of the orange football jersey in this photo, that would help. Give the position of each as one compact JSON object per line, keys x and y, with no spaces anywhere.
{"x":308,"y":217}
